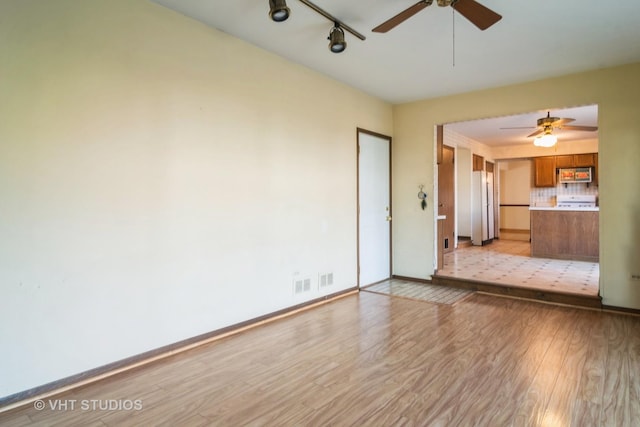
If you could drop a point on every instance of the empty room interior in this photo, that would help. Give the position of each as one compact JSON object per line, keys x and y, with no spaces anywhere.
{"x":319,"y":213}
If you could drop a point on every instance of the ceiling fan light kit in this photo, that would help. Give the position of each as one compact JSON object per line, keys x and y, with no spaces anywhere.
{"x":278,"y":11}
{"x":546,"y":140}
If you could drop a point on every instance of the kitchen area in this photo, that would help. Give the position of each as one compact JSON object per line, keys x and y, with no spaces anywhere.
{"x":526,"y":216}
{"x":564,"y":207}
{"x":546,"y":225}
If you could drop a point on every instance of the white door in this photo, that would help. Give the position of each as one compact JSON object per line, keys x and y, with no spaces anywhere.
{"x":374,"y":201}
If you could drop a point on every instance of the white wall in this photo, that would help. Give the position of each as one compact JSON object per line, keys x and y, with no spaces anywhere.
{"x":159,"y":180}
{"x":464,"y":167}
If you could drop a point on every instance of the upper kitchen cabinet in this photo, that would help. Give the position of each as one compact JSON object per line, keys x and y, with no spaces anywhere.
{"x":589,"y":160}
{"x":577,"y":160}
{"x":478,"y":163}
{"x":585,"y":160}
{"x":565,"y":161}
{"x":544,"y":171}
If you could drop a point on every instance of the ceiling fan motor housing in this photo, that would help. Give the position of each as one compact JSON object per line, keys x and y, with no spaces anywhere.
{"x":547,"y":121}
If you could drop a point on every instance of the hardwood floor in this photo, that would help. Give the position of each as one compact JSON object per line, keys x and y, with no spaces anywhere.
{"x":379,"y":360}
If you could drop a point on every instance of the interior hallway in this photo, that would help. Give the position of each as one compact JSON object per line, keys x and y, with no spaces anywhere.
{"x":509,"y":262}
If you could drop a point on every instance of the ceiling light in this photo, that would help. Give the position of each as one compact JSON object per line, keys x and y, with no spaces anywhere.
{"x":546,"y":140}
{"x":336,"y":39}
{"x":278,"y":10}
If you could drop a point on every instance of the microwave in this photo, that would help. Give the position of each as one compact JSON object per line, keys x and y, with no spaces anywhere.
{"x":574,"y":175}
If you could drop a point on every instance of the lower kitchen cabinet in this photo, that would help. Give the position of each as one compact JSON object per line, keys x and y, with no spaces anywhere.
{"x":564,"y":234}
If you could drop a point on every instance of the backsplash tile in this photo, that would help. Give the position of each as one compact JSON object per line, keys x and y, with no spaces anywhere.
{"x":546,"y":196}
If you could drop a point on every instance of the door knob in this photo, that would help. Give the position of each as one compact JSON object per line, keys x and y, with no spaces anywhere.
{"x":388,"y":217}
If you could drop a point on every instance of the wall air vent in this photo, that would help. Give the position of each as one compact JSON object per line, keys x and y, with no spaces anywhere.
{"x":301,"y":285}
{"x":325,"y":279}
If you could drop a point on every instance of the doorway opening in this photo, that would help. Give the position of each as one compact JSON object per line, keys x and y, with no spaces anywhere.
{"x":515,"y":194}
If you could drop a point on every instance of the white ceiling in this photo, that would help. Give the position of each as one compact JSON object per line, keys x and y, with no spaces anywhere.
{"x":488,"y":130}
{"x":415,"y":60}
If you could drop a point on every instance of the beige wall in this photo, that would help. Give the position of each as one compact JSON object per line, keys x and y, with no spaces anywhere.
{"x":617,"y":93}
{"x":158,"y":180}
{"x":515,"y":177}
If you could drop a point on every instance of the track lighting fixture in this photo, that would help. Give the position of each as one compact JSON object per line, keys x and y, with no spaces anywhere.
{"x":278,"y":10}
{"x":337,"y":43}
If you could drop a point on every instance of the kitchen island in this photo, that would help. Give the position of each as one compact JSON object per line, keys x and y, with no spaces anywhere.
{"x":565,"y":233}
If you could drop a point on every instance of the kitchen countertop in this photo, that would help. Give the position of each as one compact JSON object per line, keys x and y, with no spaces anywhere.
{"x":554,"y":208}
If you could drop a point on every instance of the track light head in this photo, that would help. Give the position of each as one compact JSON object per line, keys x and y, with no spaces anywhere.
{"x":278,"y":10}
{"x":337,"y":43}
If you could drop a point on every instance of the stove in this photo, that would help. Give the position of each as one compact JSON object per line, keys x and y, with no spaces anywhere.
{"x":576,"y":201}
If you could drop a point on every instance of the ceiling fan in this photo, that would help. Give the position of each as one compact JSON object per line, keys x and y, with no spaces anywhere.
{"x":547,"y":124}
{"x":479,"y":15}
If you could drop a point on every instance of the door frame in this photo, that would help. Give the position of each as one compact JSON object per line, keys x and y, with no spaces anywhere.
{"x":453,"y":220}
{"x":389,"y":139}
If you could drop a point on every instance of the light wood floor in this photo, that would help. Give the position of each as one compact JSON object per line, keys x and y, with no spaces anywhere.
{"x":378,"y":360}
{"x":509,"y":262}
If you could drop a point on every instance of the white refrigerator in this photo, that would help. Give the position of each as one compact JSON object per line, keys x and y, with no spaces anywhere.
{"x":482,"y":216}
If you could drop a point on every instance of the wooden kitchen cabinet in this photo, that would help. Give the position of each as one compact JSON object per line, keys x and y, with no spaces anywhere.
{"x":577,"y":160}
{"x":566,"y":161}
{"x":585,"y":160}
{"x":562,"y":234}
{"x":478,"y":163}
{"x":544,"y":171}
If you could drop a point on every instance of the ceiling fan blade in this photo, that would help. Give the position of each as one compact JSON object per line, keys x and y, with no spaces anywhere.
{"x":563,"y":121}
{"x":479,"y":15}
{"x":587,"y":128}
{"x":401,"y":17}
{"x":538,"y":132}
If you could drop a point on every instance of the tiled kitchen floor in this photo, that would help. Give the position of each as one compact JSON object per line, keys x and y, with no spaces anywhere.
{"x":509,"y":262}
{"x":431,"y":293}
